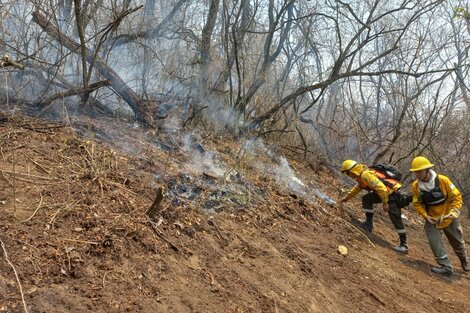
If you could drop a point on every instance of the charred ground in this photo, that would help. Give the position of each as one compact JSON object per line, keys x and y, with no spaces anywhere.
{"x":231,"y":235}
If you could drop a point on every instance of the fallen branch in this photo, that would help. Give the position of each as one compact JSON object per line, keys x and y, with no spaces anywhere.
{"x":212,"y":223}
{"x":40,"y":167}
{"x":351,"y":225}
{"x":8,"y":181}
{"x":35,"y":211}
{"x":104,"y":279}
{"x":16,"y":275}
{"x":374,"y":296}
{"x":358,"y":230}
{"x":29,"y":175}
{"x":52,"y":220}
{"x":74,"y":92}
{"x":154,"y":227}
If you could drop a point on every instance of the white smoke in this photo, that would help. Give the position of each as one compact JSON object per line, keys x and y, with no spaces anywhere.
{"x":201,"y":160}
{"x":286,"y":177}
{"x":283,"y":173}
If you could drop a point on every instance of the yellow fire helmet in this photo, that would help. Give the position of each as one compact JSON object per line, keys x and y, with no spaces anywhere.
{"x":420,"y":163}
{"x":348,"y":165}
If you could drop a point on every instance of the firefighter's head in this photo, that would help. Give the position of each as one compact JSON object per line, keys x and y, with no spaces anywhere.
{"x":421,"y":166}
{"x":350,"y":168}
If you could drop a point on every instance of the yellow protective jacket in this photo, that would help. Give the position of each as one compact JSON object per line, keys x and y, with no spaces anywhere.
{"x":453,"y":200}
{"x":369,"y":180}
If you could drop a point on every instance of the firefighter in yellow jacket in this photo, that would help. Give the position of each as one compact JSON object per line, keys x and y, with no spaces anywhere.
{"x":439,"y":202}
{"x":379,"y":192}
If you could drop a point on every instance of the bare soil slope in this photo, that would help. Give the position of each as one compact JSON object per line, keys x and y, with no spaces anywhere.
{"x":228,"y":237}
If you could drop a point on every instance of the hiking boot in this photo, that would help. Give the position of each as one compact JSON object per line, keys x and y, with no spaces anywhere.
{"x":368,"y":223}
{"x":403,"y":249}
{"x":442,"y":270}
{"x":403,"y":246}
{"x":465,"y":265}
{"x":367,"y":226}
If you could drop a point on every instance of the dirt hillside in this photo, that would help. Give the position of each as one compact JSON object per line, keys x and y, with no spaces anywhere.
{"x":238,"y":230}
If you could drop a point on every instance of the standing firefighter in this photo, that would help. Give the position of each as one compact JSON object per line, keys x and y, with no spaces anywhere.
{"x":439,"y":202}
{"x":381,"y":190}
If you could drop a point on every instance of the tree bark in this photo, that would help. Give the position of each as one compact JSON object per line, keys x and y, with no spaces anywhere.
{"x":83,"y":50}
{"x":206,"y":44}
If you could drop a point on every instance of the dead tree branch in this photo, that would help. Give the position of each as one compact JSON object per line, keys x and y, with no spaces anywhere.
{"x":74,"y":92}
{"x":142,"y":112}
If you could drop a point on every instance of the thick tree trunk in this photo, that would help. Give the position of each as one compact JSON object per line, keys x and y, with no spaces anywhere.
{"x":143,"y":114}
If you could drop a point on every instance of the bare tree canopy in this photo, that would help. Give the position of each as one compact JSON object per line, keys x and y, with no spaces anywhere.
{"x":373,"y":80}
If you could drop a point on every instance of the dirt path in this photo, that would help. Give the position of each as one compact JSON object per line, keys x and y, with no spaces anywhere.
{"x":240,"y":245}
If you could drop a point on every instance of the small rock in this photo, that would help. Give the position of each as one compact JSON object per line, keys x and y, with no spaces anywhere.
{"x":31,"y":290}
{"x":342,"y":250}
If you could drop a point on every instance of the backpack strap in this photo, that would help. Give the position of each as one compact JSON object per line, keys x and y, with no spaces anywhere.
{"x":385,"y":180}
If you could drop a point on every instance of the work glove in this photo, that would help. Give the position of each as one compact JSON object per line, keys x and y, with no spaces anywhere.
{"x":453,"y":214}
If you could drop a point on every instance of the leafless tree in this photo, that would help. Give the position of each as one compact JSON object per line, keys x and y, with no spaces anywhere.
{"x":380,"y":81}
